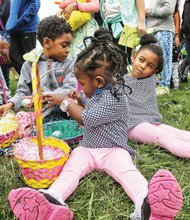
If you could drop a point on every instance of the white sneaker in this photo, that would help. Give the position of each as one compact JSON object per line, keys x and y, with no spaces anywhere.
{"x":162,"y":90}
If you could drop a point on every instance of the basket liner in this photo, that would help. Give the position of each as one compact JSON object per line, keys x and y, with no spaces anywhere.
{"x":68,"y":129}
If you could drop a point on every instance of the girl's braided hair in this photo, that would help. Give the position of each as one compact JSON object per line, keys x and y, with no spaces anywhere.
{"x":102,"y":52}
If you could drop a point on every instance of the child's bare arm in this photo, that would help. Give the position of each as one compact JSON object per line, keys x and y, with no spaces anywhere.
{"x":75,"y":111}
{"x":4,"y":108}
{"x":141,"y":14}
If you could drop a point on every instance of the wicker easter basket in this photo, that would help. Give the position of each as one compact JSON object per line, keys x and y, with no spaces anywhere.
{"x":67,"y":130}
{"x":42,"y":173}
{"x":8,"y":137}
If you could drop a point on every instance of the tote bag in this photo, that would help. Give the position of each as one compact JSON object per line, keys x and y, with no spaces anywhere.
{"x":77,"y":18}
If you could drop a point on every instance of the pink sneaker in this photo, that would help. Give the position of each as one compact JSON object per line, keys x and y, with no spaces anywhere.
{"x":164,"y":196}
{"x":29,"y":204}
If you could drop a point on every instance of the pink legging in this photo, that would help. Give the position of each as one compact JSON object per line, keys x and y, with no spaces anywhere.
{"x":116,"y":162}
{"x":172,"y":139}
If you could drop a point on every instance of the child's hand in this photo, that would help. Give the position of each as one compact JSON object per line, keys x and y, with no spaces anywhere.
{"x":52,"y":99}
{"x":27,"y":102}
{"x":5,"y":108}
{"x":77,"y":96}
{"x":74,"y":95}
{"x":65,"y":3}
{"x":68,"y":10}
{"x":141,"y":28}
{"x":59,"y":13}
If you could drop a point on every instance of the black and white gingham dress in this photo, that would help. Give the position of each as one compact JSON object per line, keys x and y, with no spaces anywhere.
{"x":142,"y":101}
{"x":105,"y":122}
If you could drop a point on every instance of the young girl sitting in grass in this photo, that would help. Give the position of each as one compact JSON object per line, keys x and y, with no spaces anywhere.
{"x":145,"y":124}
{"x":100,"y":69}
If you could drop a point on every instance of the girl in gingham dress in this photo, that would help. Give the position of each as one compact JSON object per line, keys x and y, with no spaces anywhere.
{"x":100,"y":69}
{"x":145,"y":124}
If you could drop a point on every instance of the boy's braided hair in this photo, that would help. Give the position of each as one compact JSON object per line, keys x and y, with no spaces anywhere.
{"x":102,"y":52}
{"x":52,"y":27}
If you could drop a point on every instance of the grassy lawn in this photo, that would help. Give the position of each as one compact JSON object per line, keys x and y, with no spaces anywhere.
{"x":98,"y":196}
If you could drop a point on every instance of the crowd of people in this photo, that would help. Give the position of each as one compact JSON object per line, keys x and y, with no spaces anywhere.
{"x":161,"y":19}
{"x":120,"y":62}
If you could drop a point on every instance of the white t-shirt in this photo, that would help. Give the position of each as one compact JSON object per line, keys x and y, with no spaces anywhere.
{"x":110,"y":8}
{"x":147,"y":3}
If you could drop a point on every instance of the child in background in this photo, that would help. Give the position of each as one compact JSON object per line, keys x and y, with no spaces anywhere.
{"x":88,"y":29}
{"x":176,"y":50}
{"x":100,"y":69}
{"x":175,"y":66}
{"x":144,"y":123}
{"x":159,"y":17}
{"x":56,"y":70}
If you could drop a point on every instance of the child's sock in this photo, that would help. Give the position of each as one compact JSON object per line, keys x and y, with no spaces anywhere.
{"x":136,"y":215}
{"x":55,"y":196}
{"x":29,"y":204}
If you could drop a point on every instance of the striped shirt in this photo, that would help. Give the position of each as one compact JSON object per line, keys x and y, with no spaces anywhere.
{"x":105,"y":121}
{"x":143,"y":106}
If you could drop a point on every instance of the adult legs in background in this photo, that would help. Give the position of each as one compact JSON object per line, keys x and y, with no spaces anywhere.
{"x":19,"y":45}
{"x":187,"y":47}
{"x":174,"y":140}
{"x":175,"y":75}
{"x":183,"y":70}
{"x":165,"y":39}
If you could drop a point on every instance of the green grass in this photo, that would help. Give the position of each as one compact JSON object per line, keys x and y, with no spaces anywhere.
{"x":98,"y":196}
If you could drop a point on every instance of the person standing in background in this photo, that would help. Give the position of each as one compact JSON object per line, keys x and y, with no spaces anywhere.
{"x":185,"y":35}
{"x":86,"y":29}
{"x":22,"y":25}
{"x":159,"y":14}
{"x":176,"y":50}
{"x":126,"y":20}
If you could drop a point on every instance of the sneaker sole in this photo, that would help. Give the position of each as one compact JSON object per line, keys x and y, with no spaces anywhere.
{"x":29,"y":204}
{"x":165,"y":196}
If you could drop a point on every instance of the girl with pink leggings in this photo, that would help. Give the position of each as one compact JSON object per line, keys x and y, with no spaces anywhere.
{"x":144,"y":123}
{"x":100,"y":69}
